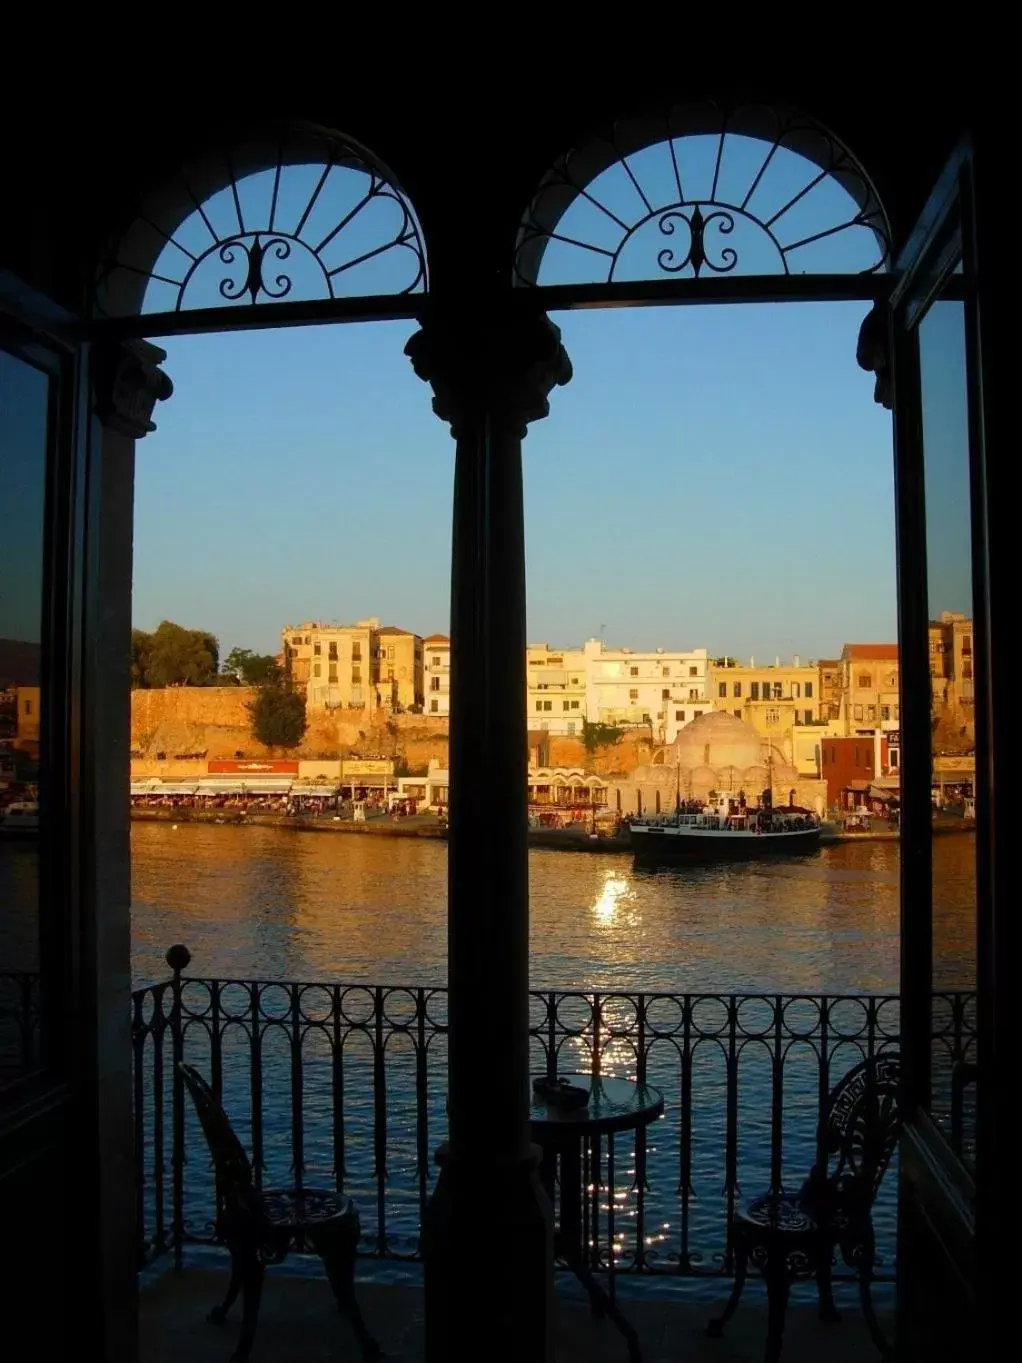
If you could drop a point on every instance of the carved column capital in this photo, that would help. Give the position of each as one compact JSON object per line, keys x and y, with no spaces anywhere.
{"x":128,"y":383}
{"x":873,"y":353}
{"x":502,"y":365}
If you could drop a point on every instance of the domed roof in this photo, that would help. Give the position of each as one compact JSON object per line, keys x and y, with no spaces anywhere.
{"x":716,"y":740}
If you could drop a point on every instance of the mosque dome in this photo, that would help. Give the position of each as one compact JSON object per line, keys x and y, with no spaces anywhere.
{"x":716,"y":740}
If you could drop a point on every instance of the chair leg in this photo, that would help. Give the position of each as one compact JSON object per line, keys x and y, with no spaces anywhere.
{"x":715,"y":1328}
{"x":219,"y":1313}
{"x":252,"y":1271}
{"x":877,"y":1335}
{"x":824,"y":1286}
{"x":336,"y":1248}
{"x":777,"y":1285}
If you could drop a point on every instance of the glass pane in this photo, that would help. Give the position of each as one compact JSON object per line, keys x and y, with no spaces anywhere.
{"x":24,"y":411}
{"x":942,"y":353}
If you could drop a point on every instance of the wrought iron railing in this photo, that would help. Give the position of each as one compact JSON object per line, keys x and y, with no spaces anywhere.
{"x":344,"y":1086}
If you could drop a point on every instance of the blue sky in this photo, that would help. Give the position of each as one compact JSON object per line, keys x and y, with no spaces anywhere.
{"x":714,"y":476}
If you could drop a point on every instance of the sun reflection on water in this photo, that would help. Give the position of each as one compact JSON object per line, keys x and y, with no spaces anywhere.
{"x":615,"y":892}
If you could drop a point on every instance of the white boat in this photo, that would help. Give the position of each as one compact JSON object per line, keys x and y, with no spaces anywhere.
{"x":724,"y":829}
{"x":20,"y":819}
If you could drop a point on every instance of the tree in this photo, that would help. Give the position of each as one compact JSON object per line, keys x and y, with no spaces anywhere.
{"x":596,"y":735}
{"x":250,"y":668}
{"x":181,"y":657}
{"x":141,"y":648}
{"x":278,"y":715}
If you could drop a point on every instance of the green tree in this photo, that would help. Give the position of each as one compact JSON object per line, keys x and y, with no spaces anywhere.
{"x":141,"y":648}
{"x":252,"y":669}
{"x":181,"y":657}
{"x":278,"y":715}
{"x":596,"y":735}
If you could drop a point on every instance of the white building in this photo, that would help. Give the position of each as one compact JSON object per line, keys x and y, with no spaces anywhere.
{"x":437,"y":674}
{"x":556,"y":681}
{"x":661,"y":689}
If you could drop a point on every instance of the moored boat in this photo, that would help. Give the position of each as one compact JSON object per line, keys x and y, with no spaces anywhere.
{"x":20,"y":819}
{"x":724,"y":829}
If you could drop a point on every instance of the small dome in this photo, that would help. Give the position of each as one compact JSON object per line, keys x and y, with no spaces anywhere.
{"x":716,"y":740}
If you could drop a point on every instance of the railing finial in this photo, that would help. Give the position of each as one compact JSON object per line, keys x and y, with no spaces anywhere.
{"x":178,"y":958}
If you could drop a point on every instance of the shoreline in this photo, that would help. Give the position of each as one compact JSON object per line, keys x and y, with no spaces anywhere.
{"x":427,"y":826}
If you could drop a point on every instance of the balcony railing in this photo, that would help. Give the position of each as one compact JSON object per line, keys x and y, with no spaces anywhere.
{"x":344,"y":1086}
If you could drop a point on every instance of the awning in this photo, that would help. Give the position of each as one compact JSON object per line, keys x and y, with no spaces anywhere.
{"x":144,"y":787}
{"x":174,"y":788}
{"x":368,"y":782}
{"x":268,"y":786}
{"x":221,"y":788}
{"x":329,"y":791}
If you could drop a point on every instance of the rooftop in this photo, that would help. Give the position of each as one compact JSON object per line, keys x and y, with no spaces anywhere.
{"x":868,"y":652}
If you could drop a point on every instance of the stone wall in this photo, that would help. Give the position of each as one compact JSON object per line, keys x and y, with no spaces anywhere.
{"x":186,"y":722}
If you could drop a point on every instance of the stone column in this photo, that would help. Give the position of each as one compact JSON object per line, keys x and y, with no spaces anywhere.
{"x":126,"y":385}
{"x":487,"y":1239}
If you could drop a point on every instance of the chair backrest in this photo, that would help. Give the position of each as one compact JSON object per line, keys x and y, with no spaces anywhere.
{"x":862,"y":1125}
{"x":233,"y":1171}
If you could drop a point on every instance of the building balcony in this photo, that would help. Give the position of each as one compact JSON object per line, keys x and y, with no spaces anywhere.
{"x":343,"y":1086}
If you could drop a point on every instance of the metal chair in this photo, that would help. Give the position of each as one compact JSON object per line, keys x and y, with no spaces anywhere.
{"x":259,"y":1228}
{"x":792,"y":1236}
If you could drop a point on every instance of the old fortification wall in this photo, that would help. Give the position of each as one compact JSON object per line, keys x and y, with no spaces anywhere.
{"x":176,"y":730}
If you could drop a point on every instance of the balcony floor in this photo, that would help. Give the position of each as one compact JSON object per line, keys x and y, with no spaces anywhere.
{"x":299,"y":1324}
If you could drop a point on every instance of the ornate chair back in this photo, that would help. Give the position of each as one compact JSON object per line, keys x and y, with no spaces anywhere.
{"x":861,"y":1132}
{"x":235,"y":1191}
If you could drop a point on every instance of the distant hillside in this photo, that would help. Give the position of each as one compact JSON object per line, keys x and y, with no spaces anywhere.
{"x":19,"y":663}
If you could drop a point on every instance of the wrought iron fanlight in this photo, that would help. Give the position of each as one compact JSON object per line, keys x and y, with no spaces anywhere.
{"x":775,"y":186}
{"x":305,"y":216}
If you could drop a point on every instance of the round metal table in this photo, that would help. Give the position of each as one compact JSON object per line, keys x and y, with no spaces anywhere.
{"x":563,"y":1134}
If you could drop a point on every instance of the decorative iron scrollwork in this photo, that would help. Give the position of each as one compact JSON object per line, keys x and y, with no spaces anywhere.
{"x":775,"y":181}
{"x":311,"y":199}
{"x":696,"y":255}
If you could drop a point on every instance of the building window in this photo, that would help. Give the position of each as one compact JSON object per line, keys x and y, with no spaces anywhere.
{"x":28,"y":708}
{"x":660,"y":715}
{"x":865,"y":681}
{"x":754,"y":690}
{"x":885,"y":712}
{"x":809,"y":690}
{"x":696,"y":714}
{"x":356,"y":653}
{"x":390,"y":674}
{"x":633,"y":694}
{"x":634,"y":671}
{"x":574,"y":681}
{"x":796,"y":691}
{"x":574,"y":704}
{"x":773,"y":718}
{"x":317,"y":650}
{"x":333,"y":672}
{"x":693,"y":672}
{"x":436,"y":661}
{"x":738,"y":712}
{"x":722,"y":688}
{"x":308,"y":638}
{"x":666,"y":671}
{"x":679,"y":716}
{"x":565,"y":705}
{"x":434,"y":707}
{"x":297,"y":640}
{"x":434,"y":683}
{"x":356,"y":676}
{"x":333,"y":652}
{"x":665,"y":694}
{"x":539,"y":705}
{"x":315,"y":670}
{"x":693,"y":693}
{"x":857,"y":712}
{"x":967,"y":671}
{"x":807,"y":716}
{"x":778,"y":690}
{"x":548,"y":705}
{"x":736,"y":690}
{"x":871,"y":713}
